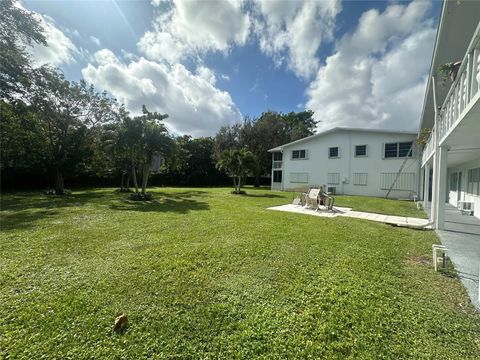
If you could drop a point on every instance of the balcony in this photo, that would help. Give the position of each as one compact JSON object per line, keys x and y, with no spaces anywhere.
{"x":429,"y":147}
{"x":462,"y":102}
{"x":464,"y":92}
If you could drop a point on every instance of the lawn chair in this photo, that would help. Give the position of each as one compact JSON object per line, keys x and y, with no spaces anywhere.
{"x":326,"y":199}
{"x":312,"y":198}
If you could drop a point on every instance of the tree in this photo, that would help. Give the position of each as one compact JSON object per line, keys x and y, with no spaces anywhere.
{"x":238,"y":164}
{"x":259,"y":135}
{"x":21,"y":146}
{"x":227,"y":137}
{"x":141,"y":141}
{"x":68,"y":114}
{"x":300,"y":124}
{"x":18,"y":29}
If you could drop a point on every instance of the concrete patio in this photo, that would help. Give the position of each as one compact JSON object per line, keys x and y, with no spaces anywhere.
{"x":348,"y":212}
{"x":462,"y":239}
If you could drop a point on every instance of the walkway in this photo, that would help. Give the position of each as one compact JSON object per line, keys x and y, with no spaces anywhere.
{"x":348,"y":212}
{"x":462,"y":239}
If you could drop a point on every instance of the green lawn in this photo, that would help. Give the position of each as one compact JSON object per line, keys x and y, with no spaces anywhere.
{"x":205,"y":274}
{"x":380,"y":205}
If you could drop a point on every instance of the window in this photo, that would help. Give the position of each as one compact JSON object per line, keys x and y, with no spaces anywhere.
{"x":277,"y":160}
{"x":301,"y":178}
{"x":332,"y":190}
{"x":404,"y":148}
{"x":299,"y":154}
{"x":453,"y":181}
{"x":360,"y":178}
{"x":361,"y":150}
{"x":473,"y":185}
{"x":396,"y":150}
{"x":391,"y":150}
{"x":333,"y":178}
{"x":277,"y":156}
{"x":277,"y":176}
{"x":333,"y":152}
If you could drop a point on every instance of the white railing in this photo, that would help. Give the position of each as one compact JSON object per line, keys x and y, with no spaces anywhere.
{"x":464,"y":91}
{"x":277,"y":164}
{"x":429,"y":146}
{"x":465,"y":88}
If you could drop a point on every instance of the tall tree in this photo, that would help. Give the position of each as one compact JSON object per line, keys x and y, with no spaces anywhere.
{"x":18,"y":30}
{"x":193,"y":163}
{"x":300,"y":124}
{"x":68,"y":113}
{"x":142,"y":141}
{"x":227,"y":137}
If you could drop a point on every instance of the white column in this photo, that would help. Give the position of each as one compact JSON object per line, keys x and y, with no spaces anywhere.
{"x":426,"y":185}
{"x":433,"y":204}
{"x":420,"y":184}
{"x":442,"y":187}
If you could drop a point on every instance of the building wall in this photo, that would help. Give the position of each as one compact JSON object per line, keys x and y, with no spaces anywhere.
{"x":348,"y":169}
{"x":453,"y":196}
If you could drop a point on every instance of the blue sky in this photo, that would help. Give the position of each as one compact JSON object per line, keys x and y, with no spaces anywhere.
{"x":209,"y":63}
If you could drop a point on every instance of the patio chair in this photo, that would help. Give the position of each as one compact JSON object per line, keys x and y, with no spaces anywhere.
{"x":312,"y":198}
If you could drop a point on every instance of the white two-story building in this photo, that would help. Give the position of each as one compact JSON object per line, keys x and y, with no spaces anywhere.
{"x":451,"y":114}
{"x":349,"y":161}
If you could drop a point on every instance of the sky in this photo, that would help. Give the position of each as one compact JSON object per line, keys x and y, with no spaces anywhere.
{"x":211,"y":63}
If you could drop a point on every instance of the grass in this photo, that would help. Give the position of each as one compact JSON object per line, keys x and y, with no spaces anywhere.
{"x":380,"y":206}
{"x":203,"y":274}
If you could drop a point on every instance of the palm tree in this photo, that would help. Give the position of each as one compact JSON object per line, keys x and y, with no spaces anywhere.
{"x":238,"y":164}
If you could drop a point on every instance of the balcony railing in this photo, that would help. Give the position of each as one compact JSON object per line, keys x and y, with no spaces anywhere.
{"x":429,"y":146}
{"x":465,"y":88}
{"x":464,"y":91}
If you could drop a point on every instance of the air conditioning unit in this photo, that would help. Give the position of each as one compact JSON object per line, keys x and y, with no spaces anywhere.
{"x":466,"y":207}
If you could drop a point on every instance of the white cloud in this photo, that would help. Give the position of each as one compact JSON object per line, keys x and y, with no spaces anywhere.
{"x":194,"y":27}
{"x":95,"y":40}
{"x":193,"y":103}
{"x":225,"y":77}
{"x":293,"y":31}
{"x":59,"y":50}
{"x":376,"y":76}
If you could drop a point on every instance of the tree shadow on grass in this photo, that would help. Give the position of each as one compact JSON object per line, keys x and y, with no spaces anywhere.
{"x":36,"y":200}
{"x":180,"y":194}
{"x":21,"y":220}
{"x":167,"y":204}
{"x":266,"y":196}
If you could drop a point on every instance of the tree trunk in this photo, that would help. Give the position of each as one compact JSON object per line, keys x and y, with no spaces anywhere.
{"x":145,"y":175}
{"x":239,"y":184}
{"x":257,"y":180}
{"x":234,"y":183}
{"x":134,"y":177}
{"x":127,"y":184}
{"x":122,"y":182}
{"x":59,"y":189}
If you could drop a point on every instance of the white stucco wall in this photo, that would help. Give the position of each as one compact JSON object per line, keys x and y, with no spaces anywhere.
{"x":319,"y":165}
{"x":453,"y":197}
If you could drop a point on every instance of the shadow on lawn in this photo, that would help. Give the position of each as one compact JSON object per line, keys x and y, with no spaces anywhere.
{"x":23,"y":219}
{"x":35,"y":200}
{"x":165,"y":202}
{"x":267,"y":196}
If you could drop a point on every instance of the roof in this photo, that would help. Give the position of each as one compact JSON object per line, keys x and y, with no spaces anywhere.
{"x":341,"y":128}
